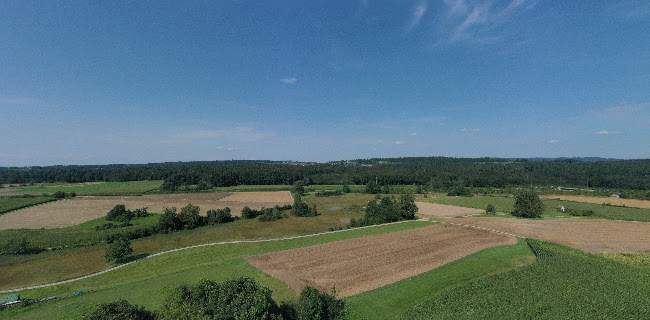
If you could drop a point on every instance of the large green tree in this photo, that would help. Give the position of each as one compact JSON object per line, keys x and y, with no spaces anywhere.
{"x":528,"y":205}
{"x":118,"y":250}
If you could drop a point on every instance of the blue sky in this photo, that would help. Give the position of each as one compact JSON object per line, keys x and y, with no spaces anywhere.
{"x":98,"y":82}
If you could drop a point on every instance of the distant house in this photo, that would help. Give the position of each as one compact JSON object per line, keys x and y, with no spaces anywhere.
{"x":616,"y":196}
{"x":561,"y":209}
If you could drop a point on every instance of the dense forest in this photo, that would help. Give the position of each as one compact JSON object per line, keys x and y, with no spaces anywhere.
{"x":436,"y":172}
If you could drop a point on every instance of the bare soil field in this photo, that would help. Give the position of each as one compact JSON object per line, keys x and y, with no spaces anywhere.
{"x":358,"y":265}
{"x":591,"y":235}
{"x":599,"y":200}
{"x":71,"y":212}
{"x":443,"y":210}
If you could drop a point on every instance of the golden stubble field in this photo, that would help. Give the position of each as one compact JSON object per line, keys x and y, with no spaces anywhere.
{"x":600,"y":200}
{"x":75,"y":211}
{"x":358,"y":265}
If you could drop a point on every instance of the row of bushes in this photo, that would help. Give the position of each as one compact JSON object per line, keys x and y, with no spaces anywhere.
{"x":241,"y":298}
{"x":387,"y":209}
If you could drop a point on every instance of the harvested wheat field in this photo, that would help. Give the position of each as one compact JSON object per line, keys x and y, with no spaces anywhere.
{"x":599,"y":200}
{"x":591,"y":235}
{"x":443,"y":210}
{"x":358,"y":265}
{"x":71,"y":212}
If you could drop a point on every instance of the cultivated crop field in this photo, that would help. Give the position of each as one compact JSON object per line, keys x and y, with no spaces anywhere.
{"x":591,"y":235}
{"x":355,"y":266}
{"x":75,"y":211}
{"x":443,"y":210}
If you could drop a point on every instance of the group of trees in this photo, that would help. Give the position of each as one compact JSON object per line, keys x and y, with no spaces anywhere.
{"x":439,"y":173}
{"x":121,"y":214}
{"x":240,"y":298}
{"x":387,"y":209}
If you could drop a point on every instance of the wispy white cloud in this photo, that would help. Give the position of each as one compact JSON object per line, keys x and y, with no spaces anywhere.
{"x":605,"y":132}
{"x":413,"y":134}
{"x":416,"y":16}
{"x":472,"y":131}
{"x":400,"y":142}
{"x":553,"y":141}
{"x":621,"y":110}
{"x":222,"y":148}
{"x":289,"y":80}
{"x":478,"y":21}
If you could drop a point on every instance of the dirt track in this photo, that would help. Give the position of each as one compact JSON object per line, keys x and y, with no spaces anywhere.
{"x":443,"y":210}
{"x":71,"y":212}
{"x":358,"y":265}
{"x":591,"y":235}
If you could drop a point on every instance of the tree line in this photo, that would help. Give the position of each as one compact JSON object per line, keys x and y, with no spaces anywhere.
{"x":436,"y":172}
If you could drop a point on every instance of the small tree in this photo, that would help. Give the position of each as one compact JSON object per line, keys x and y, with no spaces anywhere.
{"x":59,"y":195}
{"x":490,"y":209}
{"x":316,"y":305}
{"x":118,"y":250}
{"x":119,"y":213}
{"x":346,"y":188}
{"x":528,"y":205}
{"x":169,"y":221}
{"x":120,"y":309}
{"x":190,"y":217}
{"x":219,"y":216}
{"x":248,"y":213}
{"x":372,"y":188}
{"x":299,"y":187}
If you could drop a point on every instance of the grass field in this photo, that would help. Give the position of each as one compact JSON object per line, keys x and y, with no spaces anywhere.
{"x":14,"y":203}
{"x":59,"y":265}
{"x":505,"y":204}
{"x":95,"y":189}
{"x":394,"y":299}
{"x":564,"y":283}
{"x":148,"y":282}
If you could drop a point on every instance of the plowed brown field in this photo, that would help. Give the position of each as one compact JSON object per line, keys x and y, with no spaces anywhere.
{"x":357,"y":265}
{"x":71,"y":212}
{"x":443,"y":210}
{"x":598,"y":200}
{"x":592,"y":235}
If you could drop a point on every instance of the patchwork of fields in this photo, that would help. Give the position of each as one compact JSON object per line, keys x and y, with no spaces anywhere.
{"x":71,"y":212}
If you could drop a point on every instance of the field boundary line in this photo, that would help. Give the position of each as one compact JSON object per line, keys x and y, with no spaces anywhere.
{"x":480,"y":228}
{"x":198,"y":246}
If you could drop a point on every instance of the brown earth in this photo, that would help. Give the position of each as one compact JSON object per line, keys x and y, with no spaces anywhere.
{"x":443,"y":210}
{"x":71,"y":212}
{"x":599,"y":200}
{"x":358,"y":265}
{"x":591,"y":235}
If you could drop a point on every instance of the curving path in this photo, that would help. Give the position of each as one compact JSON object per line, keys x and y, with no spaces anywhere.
{"x":190,"y":247}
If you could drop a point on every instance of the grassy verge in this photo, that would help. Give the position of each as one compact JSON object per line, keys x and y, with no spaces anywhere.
{"x":252,"y":188}
{"x":96,"y":189}
{"x":148,"y":282}
{"x":564,"y":283}
{"x":12,"y":203}
{"x":394,"y":299}
{"x":505,"y":204}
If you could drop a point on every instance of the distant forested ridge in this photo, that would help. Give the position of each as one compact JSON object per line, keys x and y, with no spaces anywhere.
{"x":436,"y":172}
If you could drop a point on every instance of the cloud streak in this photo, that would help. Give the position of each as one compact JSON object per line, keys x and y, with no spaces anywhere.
{"x":291,"y":80}
{"x":478,"y":22}
{"x":606,"y":133}
{"x":416,"y":17}
{"x":553,"y":141}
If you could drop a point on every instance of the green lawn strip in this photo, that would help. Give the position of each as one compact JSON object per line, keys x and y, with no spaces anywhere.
{"x":148,"y":281}
{"x":98,"y":189}
{"x":564,"y":283}
{"x":394,"y":299}
{"x":8,"y":204}
{"x":505,"y":204}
